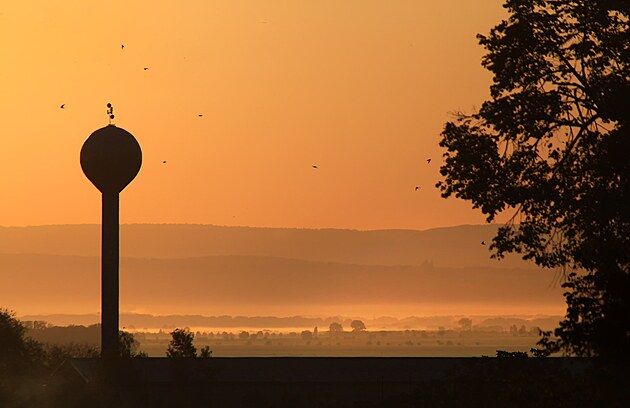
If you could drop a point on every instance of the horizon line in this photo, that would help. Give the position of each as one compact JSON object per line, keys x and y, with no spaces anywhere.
{"x":254,"y":227}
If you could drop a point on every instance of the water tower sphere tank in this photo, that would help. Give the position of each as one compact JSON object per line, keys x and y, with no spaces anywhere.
{"x":110,"y":158}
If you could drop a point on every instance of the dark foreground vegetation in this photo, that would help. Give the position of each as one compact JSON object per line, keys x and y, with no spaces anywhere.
{"x":36,"y":375}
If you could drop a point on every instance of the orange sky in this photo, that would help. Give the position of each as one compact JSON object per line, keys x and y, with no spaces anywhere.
{"x":360,"y":88}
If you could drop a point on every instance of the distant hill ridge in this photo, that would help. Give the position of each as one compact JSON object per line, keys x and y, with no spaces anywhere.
{"x":205,"y":283}
{"x":446,"y":247}
{"x":202,"y":268}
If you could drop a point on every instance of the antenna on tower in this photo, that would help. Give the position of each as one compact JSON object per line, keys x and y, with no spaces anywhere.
{"x":110,"y":112}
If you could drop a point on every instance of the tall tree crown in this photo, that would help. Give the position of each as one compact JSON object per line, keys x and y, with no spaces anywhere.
{"x":551,"y":145}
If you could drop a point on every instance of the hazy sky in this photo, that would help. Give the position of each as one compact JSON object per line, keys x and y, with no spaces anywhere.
{"x":359,"y":88}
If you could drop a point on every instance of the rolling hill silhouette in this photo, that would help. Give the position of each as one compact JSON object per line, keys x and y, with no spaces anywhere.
{"x":446,"y":247}
{"x":202,"y":267}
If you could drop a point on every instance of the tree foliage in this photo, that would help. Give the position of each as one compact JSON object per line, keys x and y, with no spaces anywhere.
{"x":335,"y":327}
{"x":551,"y":146}
{"x":18,"y":353}
{"x":21,"y":362}
{"x":128,"y":345}
{"x":181,"y":344}
{"x":205,"y":352}
{"x":357,"y":325}
{"x":465,"y":323}
{"x":57,"y":354}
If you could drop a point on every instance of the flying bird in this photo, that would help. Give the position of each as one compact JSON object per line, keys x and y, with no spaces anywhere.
{"x":63,"y":106}
{"x":314,"y":166}
{"x":428,"y":161}
{"x":200,"y":115}
{"x":146,"y":68}
{"x":483,"y":242}
{"x":417,"y":188}
{"x":164,"y":161}
{"x":122,"y":46}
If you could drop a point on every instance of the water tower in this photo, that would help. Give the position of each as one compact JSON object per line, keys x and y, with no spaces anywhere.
{"x":110,"y":158}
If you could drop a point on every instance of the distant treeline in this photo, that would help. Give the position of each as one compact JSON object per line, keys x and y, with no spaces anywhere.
{"x":142,"y":321}
{"x":64,"y":334}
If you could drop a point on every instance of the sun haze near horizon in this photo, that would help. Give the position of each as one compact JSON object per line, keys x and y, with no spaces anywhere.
{"x":279,"y":114}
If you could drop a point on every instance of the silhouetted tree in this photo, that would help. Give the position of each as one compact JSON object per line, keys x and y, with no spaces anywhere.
{"x":57,"y":354}
{"x":205,"y":352}
{"x":18,"y":353}
{"x":551,"y":145}
{"x":129,"y":345}
{"x":511,"y":354}
{"x":357,"y":325}
{"x":465,"y":323}
{"x":22,"y":364}
{"x":335,"y":327}
{"x":243,"y":335}
{"x":181,"y":344}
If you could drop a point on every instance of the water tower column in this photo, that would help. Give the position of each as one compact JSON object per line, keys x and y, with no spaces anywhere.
{"x":110,"y":245}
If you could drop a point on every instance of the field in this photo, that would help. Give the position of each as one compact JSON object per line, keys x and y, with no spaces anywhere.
{"x":449,"y":336}
{"x":408,"y":343}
